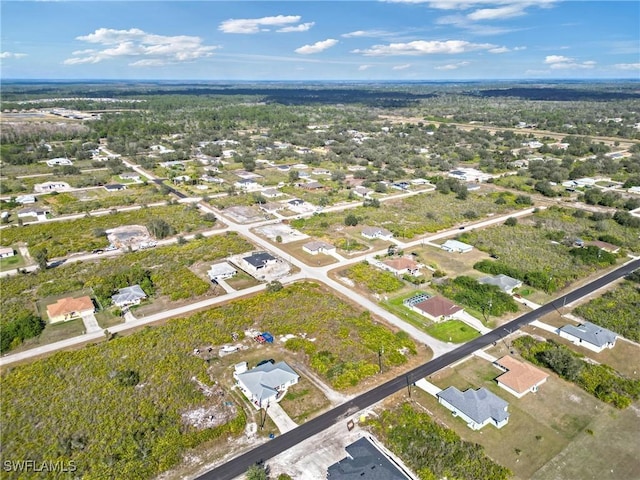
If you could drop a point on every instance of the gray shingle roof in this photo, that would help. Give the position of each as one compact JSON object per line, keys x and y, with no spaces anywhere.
{"x":366,"y":462}
{"x":259,"y":259}
{"x":128,"y":295}
{"x":503,"y":282}
{"x":591,"y":333}
{"x":479,"y":405}
{"x":263,"y":380}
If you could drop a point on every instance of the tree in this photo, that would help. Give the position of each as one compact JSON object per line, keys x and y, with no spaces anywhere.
{"x":511,"y":222}
{"x":351,"y":220}
{"x":275,"y":286}
{"x":159,"y":228}
{"x":42,"y":258}
{"x":257,"y":472}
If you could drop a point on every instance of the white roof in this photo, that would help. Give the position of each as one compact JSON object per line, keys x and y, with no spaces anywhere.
{"x":221,"y":269}
{"x":456,"y":245}
{"x":264,"y":380}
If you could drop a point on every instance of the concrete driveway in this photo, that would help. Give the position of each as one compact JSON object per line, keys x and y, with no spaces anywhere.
{"x":280,"y":418}
{"x":90,"y":323}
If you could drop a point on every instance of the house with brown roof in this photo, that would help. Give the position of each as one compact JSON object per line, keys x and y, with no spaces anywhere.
{"x":437,"y":308}
{"x":519,"y":378}
{"x":69,"y":308}
{"x":401,"y":266}
{"x":606,"y":246}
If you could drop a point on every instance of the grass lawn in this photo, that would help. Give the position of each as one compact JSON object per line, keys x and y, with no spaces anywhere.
{"x":107,"y":319}
{"x":453,"y":331}
{"x":295,"y":250}
{"x":540,"y":427}
{"x":242,"y":280}
{"x":303,"y":400}
{"x":54,"y":332}
{"x":11,"y":263}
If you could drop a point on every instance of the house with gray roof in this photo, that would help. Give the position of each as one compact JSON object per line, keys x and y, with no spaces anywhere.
{"x":127,"y":296}
{"x":504,"y":282}
{"x":365,"y":462}
{"x":260,"y":260}
{"x":373,"y":233}
{"x":266,"y":383}
{"x":476,"y":407}
{"x":589,"y":335}
{"x":221,"y":271}
{"x":456,"y":246}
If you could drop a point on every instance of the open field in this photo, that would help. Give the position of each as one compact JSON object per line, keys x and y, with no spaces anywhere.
{"x":541,"y":425}
{"x":136,"y":398}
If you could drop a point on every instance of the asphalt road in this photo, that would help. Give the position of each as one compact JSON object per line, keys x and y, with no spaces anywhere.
{"x":264,"y":452}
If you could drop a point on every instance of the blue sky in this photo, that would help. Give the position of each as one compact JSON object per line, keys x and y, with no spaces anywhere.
{"x":326,"y":40}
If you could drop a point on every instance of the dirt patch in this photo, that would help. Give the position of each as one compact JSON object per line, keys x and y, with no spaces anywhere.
{"x":218,"y":412}
{"x":285,"y":232}
{"x":129,"y":236}
{"x":244,"y":214}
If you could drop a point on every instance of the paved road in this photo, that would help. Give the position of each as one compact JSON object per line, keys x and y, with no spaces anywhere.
{"x":262,"y":453}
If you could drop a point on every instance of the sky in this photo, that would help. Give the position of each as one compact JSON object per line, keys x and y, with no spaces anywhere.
{"x":367,"y":40}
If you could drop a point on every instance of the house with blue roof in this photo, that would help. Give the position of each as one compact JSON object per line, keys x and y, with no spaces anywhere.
{"x":266,"y":383}
{"x":589,"y":335}
{"x":476,"y":407}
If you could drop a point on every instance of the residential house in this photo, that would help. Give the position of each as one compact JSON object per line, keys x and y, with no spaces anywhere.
{"x":247,"y":184}
{"x":69,"y":308}
{"x":401,"y":185}
{"x":221,"y":271}
{"x":476,"y":407}
{"x":25,"y":199}
{"x":131,"y":176}
{"x":321,"y":171}
{"x":607,"y":247}
{"x":437,"y":308}
{"x":589,"y":335}
{"x":128,"y":296}
{"x":314,"y":248}
{"x":456,"y":246}
{"x":373,"y":233}
{"x":6,"y":252}
{"x":363,"y":192}
{"x":271,"y":193}
{"x":59,"y":162}
{"x":115,"y":187}
{"x":50,"y":187}
{"x":312,"y":186}
{"x":401,"y":266}
{"x":503,"y":282}
{"x":266,"y":383}
{"x":365,"y":461}
{"x":296,"y":202}
{"x":519,"y":378}
{"x":469,"y":175}
{"x":260,"y":260}
{"x":271,"y":207}
{"x":161,"y":149}
{"x":40,"y":213}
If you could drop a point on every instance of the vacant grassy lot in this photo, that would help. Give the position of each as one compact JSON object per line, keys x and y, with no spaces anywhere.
{"x":65,"y":237}
{"x":374,"y":279}
{"x":541,"y":425}
{"x":416,"y":215}
{"x":540,"y":246}
{"x":303,"y":401}
{"x":117,"y":408}
{"x":98,"y":199}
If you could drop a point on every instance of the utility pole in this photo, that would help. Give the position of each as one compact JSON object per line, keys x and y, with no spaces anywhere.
{"x":380,"y":352}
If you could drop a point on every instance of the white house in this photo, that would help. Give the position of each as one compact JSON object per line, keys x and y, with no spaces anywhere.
{"x":127,"y":296}
{"x":266,"y":383}
{"x":131,"y":176}
{"x":221,"y":271}
{"x":314,"y":248}
{"x":589,"y":335}
{"x":456,"y":246}
{"x":373,"y":233}
{"x":59,"y":162}
{"x":362,"y":192}
{"x":115,"y":187}
{"x":476,"y":407}
{"x":6,"y":252}
{"x":39,"y":213}
{"x":503,"y":282}
{"x":469,"y":175}
{"x":271,"y":193}
{"x":25,"y":199}
{"x":50,"y":187}
{"x":247,"y":184}
{"x":401,"y":266}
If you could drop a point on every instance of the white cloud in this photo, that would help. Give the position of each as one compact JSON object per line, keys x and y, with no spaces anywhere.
{"x":154,"y":50}
{"x":303,"y":27}
{"x":422,"y":47}
{"x":560,"y":62}
{"x":627,"y":66}
{"x":452,"y":66}
{"x":255,"y":25}
{"x":499,"y":50}
{"x":367,"y":33}
{"x":401,"y":67}
{"x":4,"y":55}
{"x":362,"y":68}
{"x":316,"y":47}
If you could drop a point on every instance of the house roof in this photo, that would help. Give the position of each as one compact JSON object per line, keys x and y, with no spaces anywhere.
{"x":376,"y":231}
{"x":401,"y":263}
{"x":438,"y":306}
{"x":591,"y":333}
{"x":318,"y":245}
{"x":68,"y":305}
{"x":221,"y":269}
{"x":34,"y":211}
{"x":520,"y":376}
{"x":609,"y":247}
{"x":128,"y":295}
{"x":503,"y":282}
{"x":4,"y":250}
{"x":262,"y":381}
{"x":456,"y":245}
{"x":479,"y":405}
{"x":114,"y":186}
{"x":259,"y":259}
{"x":365,"y":462}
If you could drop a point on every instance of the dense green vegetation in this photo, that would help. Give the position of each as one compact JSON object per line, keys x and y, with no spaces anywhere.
{"x":618,"y":310}
{"x":599,"y":380}
{"x":488,"y":299}
{"x":541,"y":251}
{"x":431,"y":450}
{"x":63,"y":238}
{"x":374,"y":279}
{"x":162,"y":269}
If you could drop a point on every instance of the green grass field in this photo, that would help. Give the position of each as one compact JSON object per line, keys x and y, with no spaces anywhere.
{"x":453,"y":331}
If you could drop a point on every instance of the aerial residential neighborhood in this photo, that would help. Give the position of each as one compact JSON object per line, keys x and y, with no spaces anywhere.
{"x":372,"y":240}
